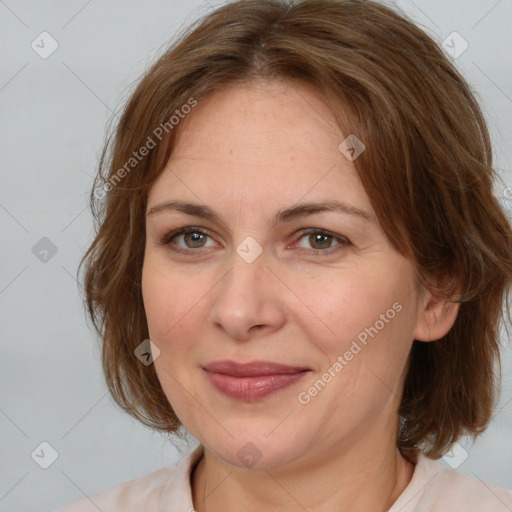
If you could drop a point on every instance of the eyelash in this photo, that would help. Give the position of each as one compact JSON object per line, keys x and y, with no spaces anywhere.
{"x":168,"y":238}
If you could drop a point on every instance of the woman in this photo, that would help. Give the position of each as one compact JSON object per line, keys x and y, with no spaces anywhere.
{"x":301,"y":262}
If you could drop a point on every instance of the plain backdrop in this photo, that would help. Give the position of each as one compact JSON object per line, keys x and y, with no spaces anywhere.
{"x":54,"y":111}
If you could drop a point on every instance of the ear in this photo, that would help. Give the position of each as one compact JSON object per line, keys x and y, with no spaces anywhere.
{"x":436,"y":316}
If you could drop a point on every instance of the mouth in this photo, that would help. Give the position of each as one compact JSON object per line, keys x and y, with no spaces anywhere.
{"x":254,"y":380}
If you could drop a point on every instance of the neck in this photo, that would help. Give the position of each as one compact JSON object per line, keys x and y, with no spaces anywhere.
{"x":350,"y":480}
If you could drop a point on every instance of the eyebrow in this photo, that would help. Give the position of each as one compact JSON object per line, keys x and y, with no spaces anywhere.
{"x":289,"y":214}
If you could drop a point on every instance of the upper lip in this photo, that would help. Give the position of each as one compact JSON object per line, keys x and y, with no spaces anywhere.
{"x":252,"y":369}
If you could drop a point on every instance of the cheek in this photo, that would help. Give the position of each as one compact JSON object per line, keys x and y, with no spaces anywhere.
{"x":172,"y":304}
{"x":363,"y":326}
{"x":339,"y":309}
{"x":172,"y":299}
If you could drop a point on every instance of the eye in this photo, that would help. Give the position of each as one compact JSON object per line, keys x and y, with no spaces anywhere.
{"x":321,"y":241}
{"x":194,"y":238}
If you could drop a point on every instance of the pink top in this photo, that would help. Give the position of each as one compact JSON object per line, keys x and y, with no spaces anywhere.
{"x":433,"y":488}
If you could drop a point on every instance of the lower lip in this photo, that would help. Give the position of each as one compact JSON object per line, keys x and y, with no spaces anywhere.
{"x":251,"y":388}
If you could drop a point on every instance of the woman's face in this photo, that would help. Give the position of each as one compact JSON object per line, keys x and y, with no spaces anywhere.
{"x":319,"y":289}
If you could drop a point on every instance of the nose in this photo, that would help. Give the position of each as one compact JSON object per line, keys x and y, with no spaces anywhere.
{"x":249,"y":299}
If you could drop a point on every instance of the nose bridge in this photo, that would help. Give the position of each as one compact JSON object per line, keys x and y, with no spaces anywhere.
{"x":247,"y":266}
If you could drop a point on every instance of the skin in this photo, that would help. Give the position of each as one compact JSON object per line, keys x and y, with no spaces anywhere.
{"x":247,"y":152}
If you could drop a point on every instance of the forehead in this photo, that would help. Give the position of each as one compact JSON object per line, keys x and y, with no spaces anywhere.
{"x":262,"y":118}
{"x":266,"y":141}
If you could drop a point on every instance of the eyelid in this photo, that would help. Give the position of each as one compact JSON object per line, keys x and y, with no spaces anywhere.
{"x":169,"y":237}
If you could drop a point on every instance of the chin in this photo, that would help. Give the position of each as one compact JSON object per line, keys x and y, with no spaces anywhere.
{"x":255,"y":452}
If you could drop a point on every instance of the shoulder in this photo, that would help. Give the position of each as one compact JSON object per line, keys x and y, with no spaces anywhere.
{"x":130,"y":495}
{"x":143,"y":493}
{"x":445,"y":490}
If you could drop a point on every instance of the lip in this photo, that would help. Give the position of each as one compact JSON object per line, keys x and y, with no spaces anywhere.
{"x":254,"y":380}
{"x":252,"y":369}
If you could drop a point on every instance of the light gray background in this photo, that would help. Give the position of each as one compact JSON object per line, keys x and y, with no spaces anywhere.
{"x":53,"y":117}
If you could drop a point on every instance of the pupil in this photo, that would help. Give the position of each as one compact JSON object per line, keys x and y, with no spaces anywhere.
{"x":196,"y":237}
{"x":320,"y":237}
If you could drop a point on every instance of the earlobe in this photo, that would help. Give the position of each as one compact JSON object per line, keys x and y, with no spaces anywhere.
{"x":436,"y":318}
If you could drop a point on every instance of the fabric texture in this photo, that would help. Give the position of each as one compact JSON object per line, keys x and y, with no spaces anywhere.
{"x":433,"y":488}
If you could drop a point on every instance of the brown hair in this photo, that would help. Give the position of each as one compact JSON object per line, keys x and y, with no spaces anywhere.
{"x":427,"y":170}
